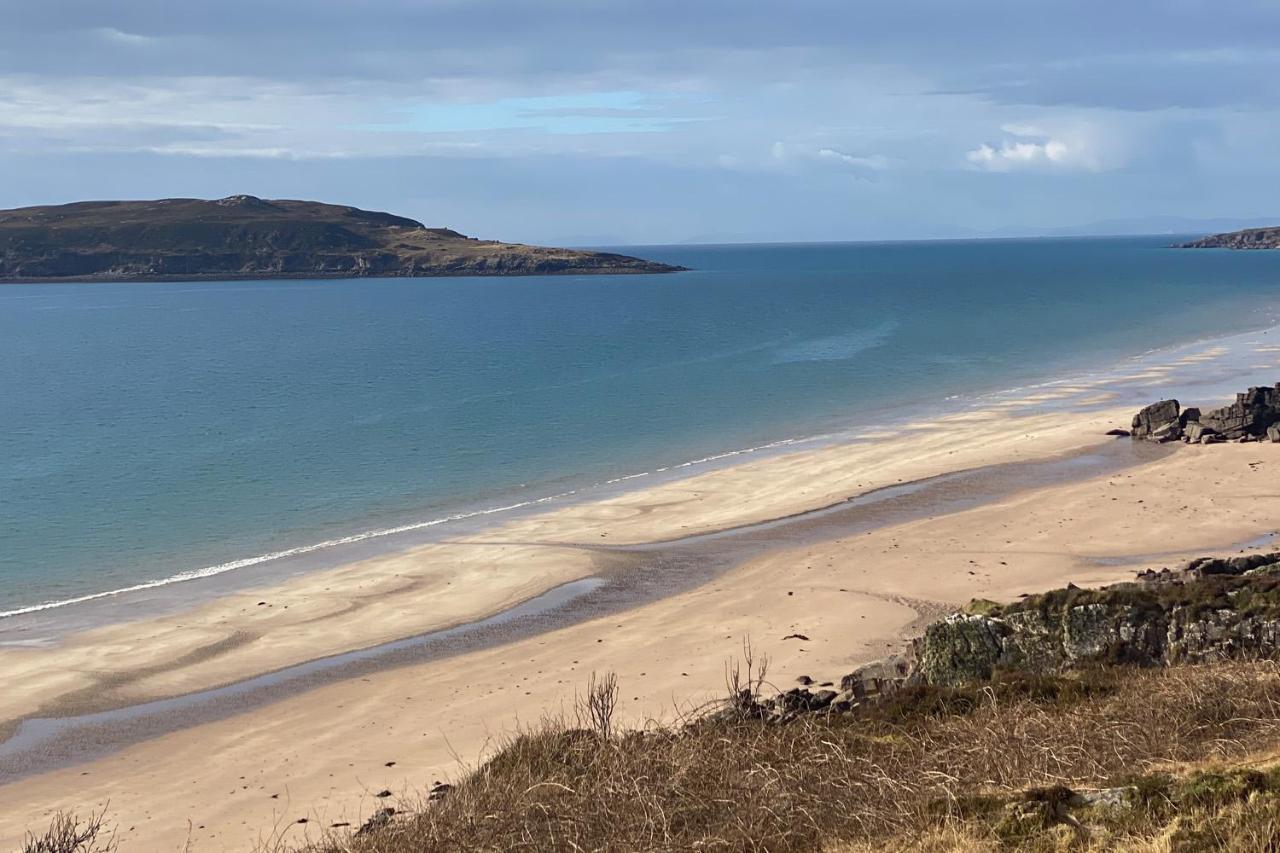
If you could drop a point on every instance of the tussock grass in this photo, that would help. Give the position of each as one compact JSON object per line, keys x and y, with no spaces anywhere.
{"x":933,"y":770}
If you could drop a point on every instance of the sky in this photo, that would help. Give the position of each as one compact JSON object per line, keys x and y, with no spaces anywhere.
{"x":608,"y":122}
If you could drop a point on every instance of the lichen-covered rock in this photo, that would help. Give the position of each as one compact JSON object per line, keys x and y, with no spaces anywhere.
{"x":1034,"y":642}
{"x":961,"y":648}
{"x":1211,"y":609}
{"x":1218,"y":635}
{"x":1090,"y":630}
{"x":1214,"y":608}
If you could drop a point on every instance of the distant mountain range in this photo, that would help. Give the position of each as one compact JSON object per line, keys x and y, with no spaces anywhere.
{"x":245,"y":237}
{"x":1153,"y":225}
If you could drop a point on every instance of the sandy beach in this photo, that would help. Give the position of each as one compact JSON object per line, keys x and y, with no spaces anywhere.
{"x":438,"y":585}
{"x":324,"y":753}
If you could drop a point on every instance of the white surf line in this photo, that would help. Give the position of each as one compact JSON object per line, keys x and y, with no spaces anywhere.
{"x":232,"y":565}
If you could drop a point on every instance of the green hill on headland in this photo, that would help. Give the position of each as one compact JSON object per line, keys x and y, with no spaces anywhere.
{"x":244,"y":237}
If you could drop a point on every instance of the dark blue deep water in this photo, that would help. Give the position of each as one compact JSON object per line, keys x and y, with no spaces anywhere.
{"x":151,"y":429}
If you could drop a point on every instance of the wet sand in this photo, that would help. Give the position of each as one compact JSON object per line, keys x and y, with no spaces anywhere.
{"x":626,"y":576}
{"x":457,"y":581}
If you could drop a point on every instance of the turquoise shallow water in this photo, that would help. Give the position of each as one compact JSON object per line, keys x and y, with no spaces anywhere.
{"x":151,"y":430}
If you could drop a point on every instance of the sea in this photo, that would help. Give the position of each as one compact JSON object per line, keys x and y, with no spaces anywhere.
{"x":159,"y":435}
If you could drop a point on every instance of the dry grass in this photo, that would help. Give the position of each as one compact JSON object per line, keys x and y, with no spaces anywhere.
{"x":934,"y":770}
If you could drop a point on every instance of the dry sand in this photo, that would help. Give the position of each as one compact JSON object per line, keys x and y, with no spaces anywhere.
{"x":323,"y":754}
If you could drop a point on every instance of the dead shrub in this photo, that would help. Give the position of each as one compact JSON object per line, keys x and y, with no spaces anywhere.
{"x":69,"y":834}
{"x":595,"y":710}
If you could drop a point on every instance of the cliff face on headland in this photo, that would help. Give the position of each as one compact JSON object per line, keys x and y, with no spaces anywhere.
{"x":247,"y":237}
{"x":1250,"y":238}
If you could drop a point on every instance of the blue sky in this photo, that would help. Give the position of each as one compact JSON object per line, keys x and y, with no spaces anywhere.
{"x":609,"y":121}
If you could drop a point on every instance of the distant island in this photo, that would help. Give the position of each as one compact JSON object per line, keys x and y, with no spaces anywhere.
{"x":244,"y":237}
{"x":1249,"y":238}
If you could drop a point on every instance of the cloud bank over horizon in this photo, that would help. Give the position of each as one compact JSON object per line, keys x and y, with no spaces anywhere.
{"x":619,"y":121}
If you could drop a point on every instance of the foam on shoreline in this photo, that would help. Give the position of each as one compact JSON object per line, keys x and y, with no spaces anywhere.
{"x":378,"y":533}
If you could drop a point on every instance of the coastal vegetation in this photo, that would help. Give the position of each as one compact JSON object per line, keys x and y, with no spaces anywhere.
{"x":1169,"y":759}
{"x":244,"y":237}
{"x":1174,"y":759}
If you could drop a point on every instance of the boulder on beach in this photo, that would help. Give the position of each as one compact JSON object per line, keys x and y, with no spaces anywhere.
{"x":1196,"y":432}
{"x":1253,"y":412}
{"x":1158,"y":422}
{"x":879,"y":678}
{"x":1250,"y":417}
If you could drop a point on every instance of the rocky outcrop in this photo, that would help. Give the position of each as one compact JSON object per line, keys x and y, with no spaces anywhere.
{"x":1250,"y":238}
{"x":1251,"y":414}
{"x":1158,"y":422}
{"x":1211,"y":610}
{"x":1214,"y":608}
{"x":1254,"y":416}
{"x":960,"y":648}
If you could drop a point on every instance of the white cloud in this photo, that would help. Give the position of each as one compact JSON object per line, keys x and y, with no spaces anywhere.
{"x":795,"y":157}
{"x":1030,"y":147}
{"x":121,"y":37}
{"x":1023,"y":129}
{"x":874,"y":162}
{"x":1012,"y":154}
{"x":254,"y":153}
